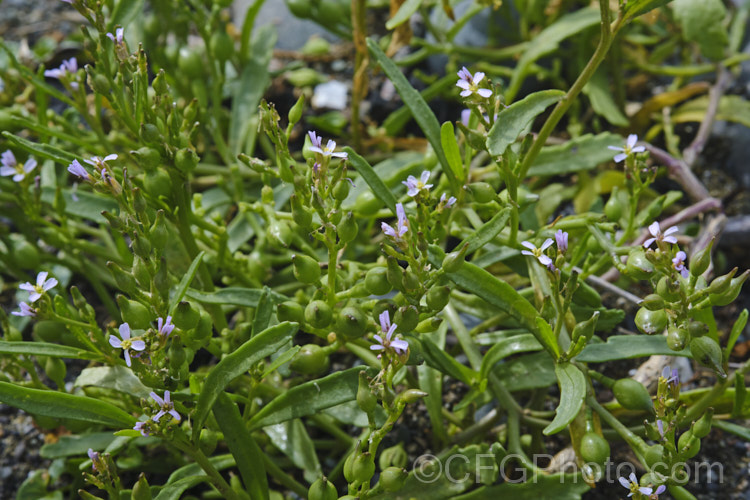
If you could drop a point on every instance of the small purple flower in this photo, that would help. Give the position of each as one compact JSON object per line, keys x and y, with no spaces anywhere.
{"x":94,"y":456}
{"x":164,"y":327}
{"x":315,"y":139}
{"x":679,"y":264}
{"x":67,"y":67}
{"x":465,"y":117}
{"x":328,"y":150}
{"x":658,"y":236}
{"x":143,"y":427}
{"x":398,"y":345}
{"x":402,"y":225}
{"x":42,"y":285}
{"x":76,"y":168}
{"x":470,"y":84}
{"x":165,"y":406}
{"x":11,"y":167}
{"x":447,"y":203}
{"x":672,"y":376}
{"x":126,"y":343}
{"x":660,"y":427}
{"x":633,"y":485}
{"x":26,"y":310}
{"x":628,"y":149}
{"x":117,"y":37}
{"x":97,"y":162}
{"x":538,"y":252}
{"x":415,"y":185}
{"x":561,"y":238}
{"x":655,"y":495}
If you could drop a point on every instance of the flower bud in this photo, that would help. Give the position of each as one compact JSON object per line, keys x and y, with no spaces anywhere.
{"x":186,"y":160}
{"x":124,"y":280}
{"x":395,"y":456}
{"x":651,"y":322}
{"x":365,"y":398}
{"x":700,"y":261}
{"x":134,"y":313}
{"x":393,"y":478}
{"x":632,"y":395}
{"x":638,"y":266}
{"x":703,"y":426}
{"x":341,"y":190}
{"x":438,"y":297}
{"x":376,"y":281}
{"x":306,"y":269}
{"x":454,"y":260}
{"x":159,"y":233}
{"x":653,"y":302}
{"x":363,"y":467}
{"x":185,"y":317}
{"x":347,"y":228}
{"x":322,"y":489}
{"x":706,"y":352}
{"x":586,"y":328}
{"x":290,"y":311}
{"x":481,"y":192}
{"x":311,"y":359}
{"x":351,"y":323}
{"x":295,"y":114}
{"x":141,"y":489}
{"x":279,"y":233}
{"x":149,"y":158}
{"x":731,"y":293}
{"x":318,"y":314}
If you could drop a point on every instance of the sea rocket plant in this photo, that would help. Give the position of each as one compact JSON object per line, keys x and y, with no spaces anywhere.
{"x":328,"y":151}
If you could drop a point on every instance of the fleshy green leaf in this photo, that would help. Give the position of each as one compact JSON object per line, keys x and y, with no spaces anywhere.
{"x":43,"y":151}
{"x":219,"y":462}
{"x":572,"y":393}
{"x":44,"y":349}
{"x":76,"y":444}
{"x":372,"y":179}
{"x":124,"y":13}
{"x":62,"y":405}
{"x":310,"y":397}
{"x":263,"y":312}
{"x":292,"y":439}
{"x":452,"y":153}
{"x":245,"y":450}
{"x":516,"y":118}
{"x":246,"y":297}
{"x":174,"y":491}
{"x":403,"y":14}
{"x":737,"y":329}
{"x":423,"y":115}
{"x":115,"y":377}
{"x":702,"y":22}
{"x":627,"y":347}
{"x":185,"y":282}
{"x":597,"y":89}
{"x":635,"y":8}
{"x":86,"y":205}
{"x":529,"y":371}
{"x":438,"y":359}
{"x":582,"y":153}
{"x":506,"y":347}
{"x":487,"y":232}
{"x":235,"y":364}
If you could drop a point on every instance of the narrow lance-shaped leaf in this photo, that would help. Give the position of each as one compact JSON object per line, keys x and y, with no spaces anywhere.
{"x":572,"y":393}
{"x":403,"y":14}
{"x":237,"y":363}
{"x":45,"y":349}
{"x":185,"y":282}
{"x":237,"y":296}
{"x":372,"y":179}
{"x":627,"y":347}
{"x":487,"y":232}
{"x":452,"y":153}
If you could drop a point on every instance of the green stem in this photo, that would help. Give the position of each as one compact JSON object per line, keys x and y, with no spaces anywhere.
{"x":634,"y":441}
{"x":216,"y":478}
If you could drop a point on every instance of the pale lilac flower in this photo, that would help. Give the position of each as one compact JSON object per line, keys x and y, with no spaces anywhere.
{"x":628,"y":149}
{"x":164,"y":327}
{"x":415,"y":185}
{"x":679,"y":264}
{"x":69,"y":66}
{"x":561,"y":238}
{"x":470,"y":84}
{"x":76,"y":168}
{"x":144,"y":427}
{"x":402,"y":224}
{"x":447,"y":203}
{"x":660,"y":427}
{"x":97,"y":162}
{"x":166,"y":406}
{"x":633,"y":485}
{"x":538,"y":252}
{"x":117,"y":37}
{"x":398,"y":345}
{"x":655,"y":495}
{"x":11,"y":167}
{"x":42,"y":285}
{"x":126,"y":343}
{"x":328,"y":150}
{"x":94,"y":456}
{"x":658,"y":236}
{"x":26,"y":310}
{"x":465,"y":117}
{"x":671,"y":376}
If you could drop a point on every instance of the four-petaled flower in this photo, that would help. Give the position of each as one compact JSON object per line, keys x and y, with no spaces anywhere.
{"x":633,"y":485}
{"x":165,"y":406}
{"x":76,"y":168}
{"x":117,"y":37}
{"x":561,"y":238}
{"x":672,"y":376}
{"x":470,"y":84}
{"x":328,"y":150}
{"x":629,"y":148}
{"x":94,"y":456}
{"x":398,"y":345}
{"x":143,"y":427}
{"x":538,"y":252}
{"x":402,"y":224}
{"x":654,"y":495}
{"x":95,"y":161}
{"x":679,"y":264}
{"x":26,"y":310}
{"x":447,"y":203}
{"x":164,"y":327}
{"x":11,"y":167}
{"x":126,"y":343}
{"x":415,"y":185}
{"x":42,"y":285}
{"x":658,"y":236}
{"x":67,"y":66}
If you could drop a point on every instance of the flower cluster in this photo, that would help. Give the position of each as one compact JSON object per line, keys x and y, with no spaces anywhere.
{"x":166,"y":406}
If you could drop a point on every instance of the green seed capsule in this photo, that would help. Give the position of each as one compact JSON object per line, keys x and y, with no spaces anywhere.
{"x":367,"y":203}
{"x":141,"y":489}
{"x":481,"y":192}
{"x":677,"y":337}
{"x":653,"y":302}
{"x":700,"y":261}
{"x":348,"y":463}
{"x":149,"y":158}
{"x":410,"y":396}
{"x":177,"y":355}
{"x":351,"y":323}
{"x":654,"y":454}
{"x":363,"y":467}
{"x":438,"y":297}
{"x":141,"y":273}
{"x":393,"y":478}
{"x":185,"y":317}
{"x":157,"y":184}
{"x":150,"y":133}
{"x":322,"y":489}
{"x":376,"y":281}
{"x":688,"y":445}
{"x":706,"y":351}
{"x":703,"y":426}
{"x":124,"y":279}
{"x":407,"y":318}
{"x":159,"y":234}
{"x":613,"y":208}
{"x":341,"y":190}
{"x":731,"y":293}
{"x":295,"y":114}
{"x":651,"y":322}
{"x":279,"y":233}
{"x":301,"y":214}
{"x":190,"y":63}
{"x":697,"y":328}
{"x":135,"y":314}
{"x":290,"y":311}
{"x":638,"y":266}
{"x":395,"y":274}
{"x":366,"y":400}
{"x":221,"y":45}
{"x":306,"y":269}
{"x":318,"y":314}
{"x":55,"y":370}
{"x":205,"y":327}
{"x":207,"y":441}
{"x":347,"y":228}
{"x":632,"y":395}
{"x":668,"y":289}
{"x":395,"y":456}
{"x":186,"y":160}
{"x":311,"y":359}
{"x":594,"y":448}
{"x":454,"y":260}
